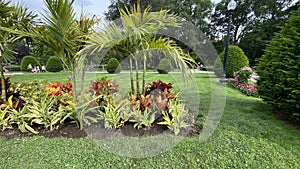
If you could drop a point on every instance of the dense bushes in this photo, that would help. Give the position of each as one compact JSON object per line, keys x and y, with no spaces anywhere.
{"x":279,"y":67}
{"x":54,"y":64}
{"x":113,"y":66}
{"x":28,"y":60}
{"x":236,"y":60}
{"x":164,"y":66}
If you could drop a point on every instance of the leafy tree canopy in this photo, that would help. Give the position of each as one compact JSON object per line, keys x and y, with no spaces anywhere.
{"x":248,"y":15}
{"x":195,"y":11}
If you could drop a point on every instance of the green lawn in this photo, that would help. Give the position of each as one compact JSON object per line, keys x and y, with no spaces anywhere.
{"x":248,"y":136}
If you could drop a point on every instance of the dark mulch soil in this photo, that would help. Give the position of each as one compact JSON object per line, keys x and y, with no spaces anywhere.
{"x":98,"y":131}
{"x":281,"y":116}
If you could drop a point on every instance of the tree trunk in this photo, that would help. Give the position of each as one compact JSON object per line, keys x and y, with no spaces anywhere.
{"x":137,"y":78}
{"x":82,"y":79}
{"x":144,"y":76}
{"x":3,"y":92}
{"x":74,"y":85}
{"x":131,"y":76}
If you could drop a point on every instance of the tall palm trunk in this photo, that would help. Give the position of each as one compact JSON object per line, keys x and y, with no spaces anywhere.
{"x":82,"y":79}
{"x":137,"y":78}
{"x":144,"y":75}
{"x":74,"y":84}
{"x":3,"y":92}
{"x":131,"y":75}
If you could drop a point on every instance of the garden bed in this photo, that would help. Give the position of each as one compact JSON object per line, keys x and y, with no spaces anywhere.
{"x":68,"y":130}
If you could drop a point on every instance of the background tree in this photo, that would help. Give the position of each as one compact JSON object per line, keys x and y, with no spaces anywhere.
{"x":279,"y":68}
{"x":247,"y":15}
{"x":253,"y":23}
{"x":236,"y":61}
{"x":254,"y":42}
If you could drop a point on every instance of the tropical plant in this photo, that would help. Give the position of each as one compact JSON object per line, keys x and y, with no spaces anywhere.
{"x":62,"y":33}
{"x":54,"y":64}
{"x":176,"y":117}
{"x":5,"y":115}
{"x":137,"y":38}
{"x":21,"y":118}
{"x":85,"y":110}
{"x":14,"y":18}
{"x":45,"y":112}
{"x":5,"y":121}
{"x":102,"y":87}
{"x":9,"y":91}
{"x":197,"y":11}
{"x":31,"y":89}
{"x":57,"y":88}
{"x":114,"y":111}
{"x":142,"y":118}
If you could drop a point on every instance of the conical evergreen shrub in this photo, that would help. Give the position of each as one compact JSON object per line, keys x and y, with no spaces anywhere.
{"x":279,"y":70}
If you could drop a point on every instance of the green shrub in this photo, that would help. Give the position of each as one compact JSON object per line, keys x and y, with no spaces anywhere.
{"x":236,"y":60}
{"x":54,"y":64}
{"x":113,"y":66}
{"x":164,"y":66}
{"x":278,"y":70}
{"x":28,"y":60}
{"x":13,"y":68}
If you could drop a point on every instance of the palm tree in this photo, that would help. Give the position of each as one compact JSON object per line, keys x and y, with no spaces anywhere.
{"x":138,"y":33}
{"x":25,"y":19}
{"x":5,"y":11}
{"x":62,"y":33}
{"x":85,"y":27}
{"x":14,"y":18}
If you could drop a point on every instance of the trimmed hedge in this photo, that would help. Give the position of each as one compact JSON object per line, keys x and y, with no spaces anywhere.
{"x":54,"y":64}
{"x":28,"y":60}
{"x":164,"y":66}
{"x":279,"y":70}
{"x":236,"y":60}
{"x":13,"y":68}
{"x":113,"y":66}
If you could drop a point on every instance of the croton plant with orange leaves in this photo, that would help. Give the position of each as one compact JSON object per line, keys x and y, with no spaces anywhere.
{"x":57,"y":88}
{"x":156,"y":96}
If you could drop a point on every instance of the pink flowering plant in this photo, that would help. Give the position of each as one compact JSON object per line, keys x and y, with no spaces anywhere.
{"x":241,"y":82}
{"x":244,"y":75}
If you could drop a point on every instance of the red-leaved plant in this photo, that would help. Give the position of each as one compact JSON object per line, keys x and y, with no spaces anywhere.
{"x":57,"y":88}
{"x":156,"y":96}
{"x":103,"y":87}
